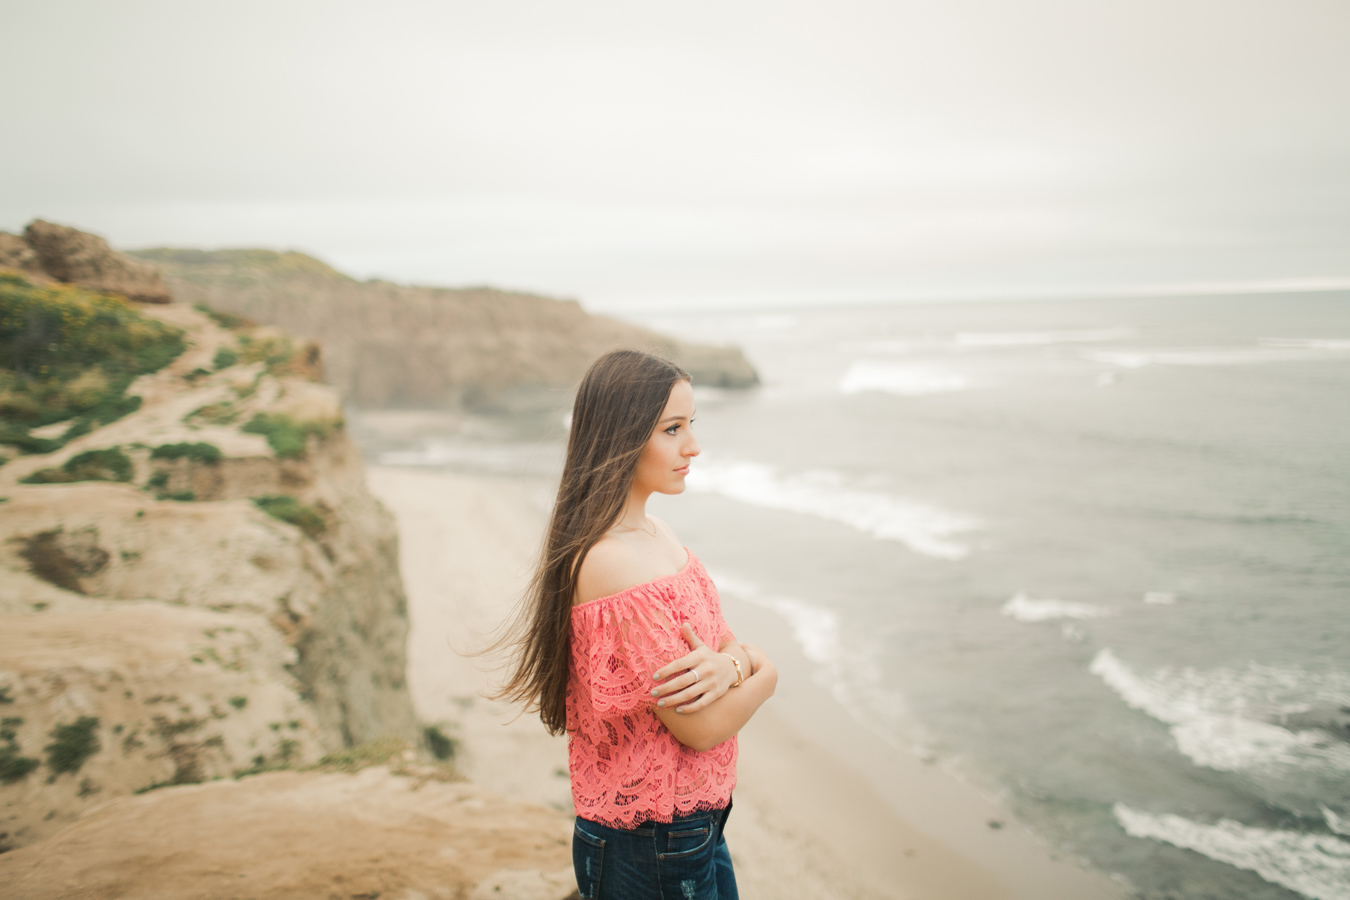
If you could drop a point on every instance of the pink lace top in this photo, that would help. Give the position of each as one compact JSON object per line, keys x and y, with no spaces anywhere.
{"x":627,"y":768}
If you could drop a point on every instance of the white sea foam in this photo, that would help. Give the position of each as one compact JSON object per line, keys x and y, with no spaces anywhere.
{"x":1217,"y":718}
{"x":964,"y":341}
{"x":1160,"y":598}
{"x":1314,"y":865}
{"x":851,"y":675}
{"x":1040,"y":338}
{"x":903,"y":380}
{"x":1024,"y":608}
{"x":1307,"y":343}
{"x":1201,"y":356}
{"x":1334,"y":822}
{"x":924,"y":529}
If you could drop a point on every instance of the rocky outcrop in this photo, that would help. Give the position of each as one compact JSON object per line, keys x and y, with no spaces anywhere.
{"x":77,"y":257}
{"x":212,"y":592}
{"x":389,"y":345}
{"x":16,"y":254}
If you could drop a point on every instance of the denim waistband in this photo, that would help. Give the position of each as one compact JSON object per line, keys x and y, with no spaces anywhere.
{"x":718,"y":815}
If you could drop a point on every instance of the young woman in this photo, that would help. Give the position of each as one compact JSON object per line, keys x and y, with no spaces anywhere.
{"x":621,"y":643}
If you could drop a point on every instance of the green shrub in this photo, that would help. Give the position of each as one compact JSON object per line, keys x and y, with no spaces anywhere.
{"x":239,"y":702}
{"x":354,"y":759}
{"x":441,"y":745}
{"x":224,"y":358}
{"x":66,"y":352}
{"x":18,"y":436}
{"x":224,"y":319}
{"x":282,"y":758}
{"x":158,"y":480}
{"x":222,"y":413}
{"x":13,"y":766}
{"x":203,"y":453}
{"x":287,"y":437}
{"x":180,"y":496}
{"x":72,"y":745}
{"x":288,"y":509}
{"x":110,"y":464}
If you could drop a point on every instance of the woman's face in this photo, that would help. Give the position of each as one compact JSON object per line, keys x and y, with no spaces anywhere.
{"x":665,"y":459}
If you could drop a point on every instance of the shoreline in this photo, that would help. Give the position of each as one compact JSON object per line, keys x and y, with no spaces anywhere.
{"x":823,"y":807}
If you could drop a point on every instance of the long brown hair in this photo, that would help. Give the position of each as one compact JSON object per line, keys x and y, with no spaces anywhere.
{"x":618,"y":404}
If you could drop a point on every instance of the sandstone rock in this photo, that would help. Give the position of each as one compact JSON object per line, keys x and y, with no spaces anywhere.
{"x":178,"y":696}
{"x":287,"y":835}
{"x":77,"y":257}
{"x":16,"y":254}
{"x":388,"y":345}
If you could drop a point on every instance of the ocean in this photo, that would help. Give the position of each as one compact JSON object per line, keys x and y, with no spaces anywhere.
{"x":1091,"y":556}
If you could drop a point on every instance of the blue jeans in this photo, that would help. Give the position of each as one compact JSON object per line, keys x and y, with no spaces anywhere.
{"x":685,"y":859}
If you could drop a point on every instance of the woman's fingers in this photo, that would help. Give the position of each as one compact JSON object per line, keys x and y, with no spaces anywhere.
{"x":688,"y":661}
{"x":696,"y":705}
{"x":678,"y":683}
{"x":701,"y":652}
{"x":693,"y":698}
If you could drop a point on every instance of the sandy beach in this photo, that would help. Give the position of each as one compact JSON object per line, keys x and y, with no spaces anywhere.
{"x":823,"y":808}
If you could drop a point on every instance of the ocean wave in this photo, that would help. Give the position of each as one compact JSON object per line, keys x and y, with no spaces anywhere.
{"x":1334,"y":821}
{"x":902,"y":380}
{"x":926,"y":530}
{"x":1040,"y":338}
{"x":1160,"y":598}
{"x":1316,"y":866}
{"x":1215,"y":356}
{"x":851,"y":674}
{"x":1218,"y":719}
{"x":981,"y":340}
{"x":1024,"y":608}
{"x":1307,"y":343}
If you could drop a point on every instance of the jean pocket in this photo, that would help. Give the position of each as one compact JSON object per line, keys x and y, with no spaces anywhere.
{"x":687,"y":841}
{"x":588,"y":859}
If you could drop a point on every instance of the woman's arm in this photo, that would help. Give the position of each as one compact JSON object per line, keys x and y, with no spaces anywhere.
{"x":700,"y":676}
{"x":711,"y":724}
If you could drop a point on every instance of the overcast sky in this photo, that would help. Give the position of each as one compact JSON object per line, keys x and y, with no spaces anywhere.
{"x":639,"y":156}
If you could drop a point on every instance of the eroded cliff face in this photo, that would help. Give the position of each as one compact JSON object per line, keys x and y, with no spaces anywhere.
{"x":393,"y":345}
{"x":201,"y":588}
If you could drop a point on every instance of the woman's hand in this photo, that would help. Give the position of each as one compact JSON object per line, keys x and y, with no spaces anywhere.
{"x":695,"y":679}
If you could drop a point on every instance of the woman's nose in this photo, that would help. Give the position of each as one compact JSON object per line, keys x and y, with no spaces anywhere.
{"x":692,"y":449}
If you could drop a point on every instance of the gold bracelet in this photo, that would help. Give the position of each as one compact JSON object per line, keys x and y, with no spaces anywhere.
{"x":740,"y":679}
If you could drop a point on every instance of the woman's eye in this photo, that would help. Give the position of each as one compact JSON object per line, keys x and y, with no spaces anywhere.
{"x":672,"y":429}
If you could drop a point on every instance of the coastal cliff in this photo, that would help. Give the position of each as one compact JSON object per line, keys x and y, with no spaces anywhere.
{"x":390,"y":345}
{"x":203,"y":627}
{"x":199,"y":587}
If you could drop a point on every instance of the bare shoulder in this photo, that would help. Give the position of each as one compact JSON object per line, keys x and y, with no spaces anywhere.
{"x":611,"y":566}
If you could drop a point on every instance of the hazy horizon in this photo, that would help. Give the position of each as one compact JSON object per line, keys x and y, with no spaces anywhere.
{"x":752,"y":155}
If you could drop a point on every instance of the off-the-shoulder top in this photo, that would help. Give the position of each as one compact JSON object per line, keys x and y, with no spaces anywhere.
{"x":626,"y":766}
